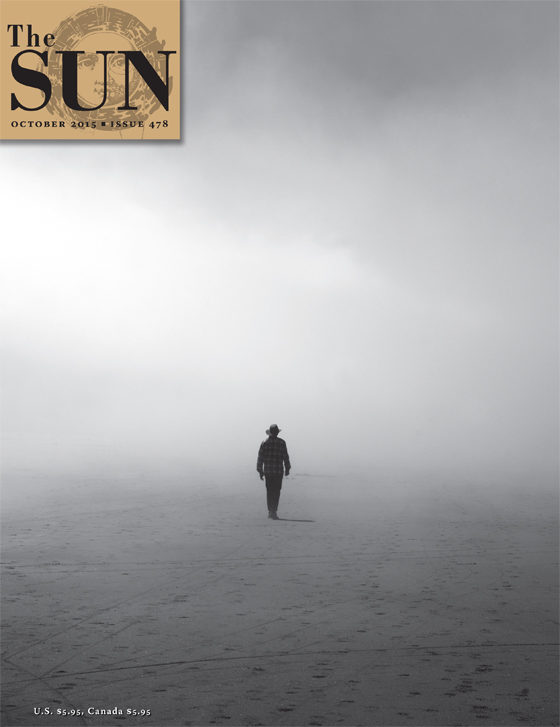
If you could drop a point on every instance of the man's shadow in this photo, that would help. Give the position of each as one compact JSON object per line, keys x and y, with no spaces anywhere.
{"x":292,"y":520}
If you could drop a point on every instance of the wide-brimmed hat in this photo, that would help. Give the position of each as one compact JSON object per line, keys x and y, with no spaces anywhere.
{"x":273,"y":429}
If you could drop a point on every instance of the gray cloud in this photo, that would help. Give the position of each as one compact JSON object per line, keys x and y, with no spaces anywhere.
{"x":356,"y":238}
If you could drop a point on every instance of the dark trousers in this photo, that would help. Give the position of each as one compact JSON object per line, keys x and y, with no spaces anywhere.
{"x":273,"y":487}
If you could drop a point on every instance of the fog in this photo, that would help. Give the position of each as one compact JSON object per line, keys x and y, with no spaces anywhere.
{"x":355,"y":239}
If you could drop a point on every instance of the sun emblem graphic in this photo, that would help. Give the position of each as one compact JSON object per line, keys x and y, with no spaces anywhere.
{"x":104,"y":28}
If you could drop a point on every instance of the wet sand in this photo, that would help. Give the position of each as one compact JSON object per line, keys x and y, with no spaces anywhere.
{"x":355,"y":608}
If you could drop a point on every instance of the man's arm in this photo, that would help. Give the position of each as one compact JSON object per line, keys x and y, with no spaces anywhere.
{"x":286,"y":458}
{"x":260,"y":462}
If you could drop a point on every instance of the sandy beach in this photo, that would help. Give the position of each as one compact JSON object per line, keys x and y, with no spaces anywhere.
{"x":360,"y":606}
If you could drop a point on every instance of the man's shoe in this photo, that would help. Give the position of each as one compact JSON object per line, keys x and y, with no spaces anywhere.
{"x":274,"y":516}
{"x":270,"y":515}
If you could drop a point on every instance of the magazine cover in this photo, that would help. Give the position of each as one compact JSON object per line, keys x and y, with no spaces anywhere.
{"x":279,"y":363}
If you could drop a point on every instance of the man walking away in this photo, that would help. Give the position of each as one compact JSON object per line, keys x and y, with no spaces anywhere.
{"x":272,"y":460}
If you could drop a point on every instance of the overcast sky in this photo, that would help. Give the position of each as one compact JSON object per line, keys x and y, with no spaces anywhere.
{"x":357,"y":239}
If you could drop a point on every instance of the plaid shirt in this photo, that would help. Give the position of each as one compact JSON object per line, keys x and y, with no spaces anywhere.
{"x":273,"y":453}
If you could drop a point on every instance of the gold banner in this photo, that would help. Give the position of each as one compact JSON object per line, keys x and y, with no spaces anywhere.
{"x":73,"y":70}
